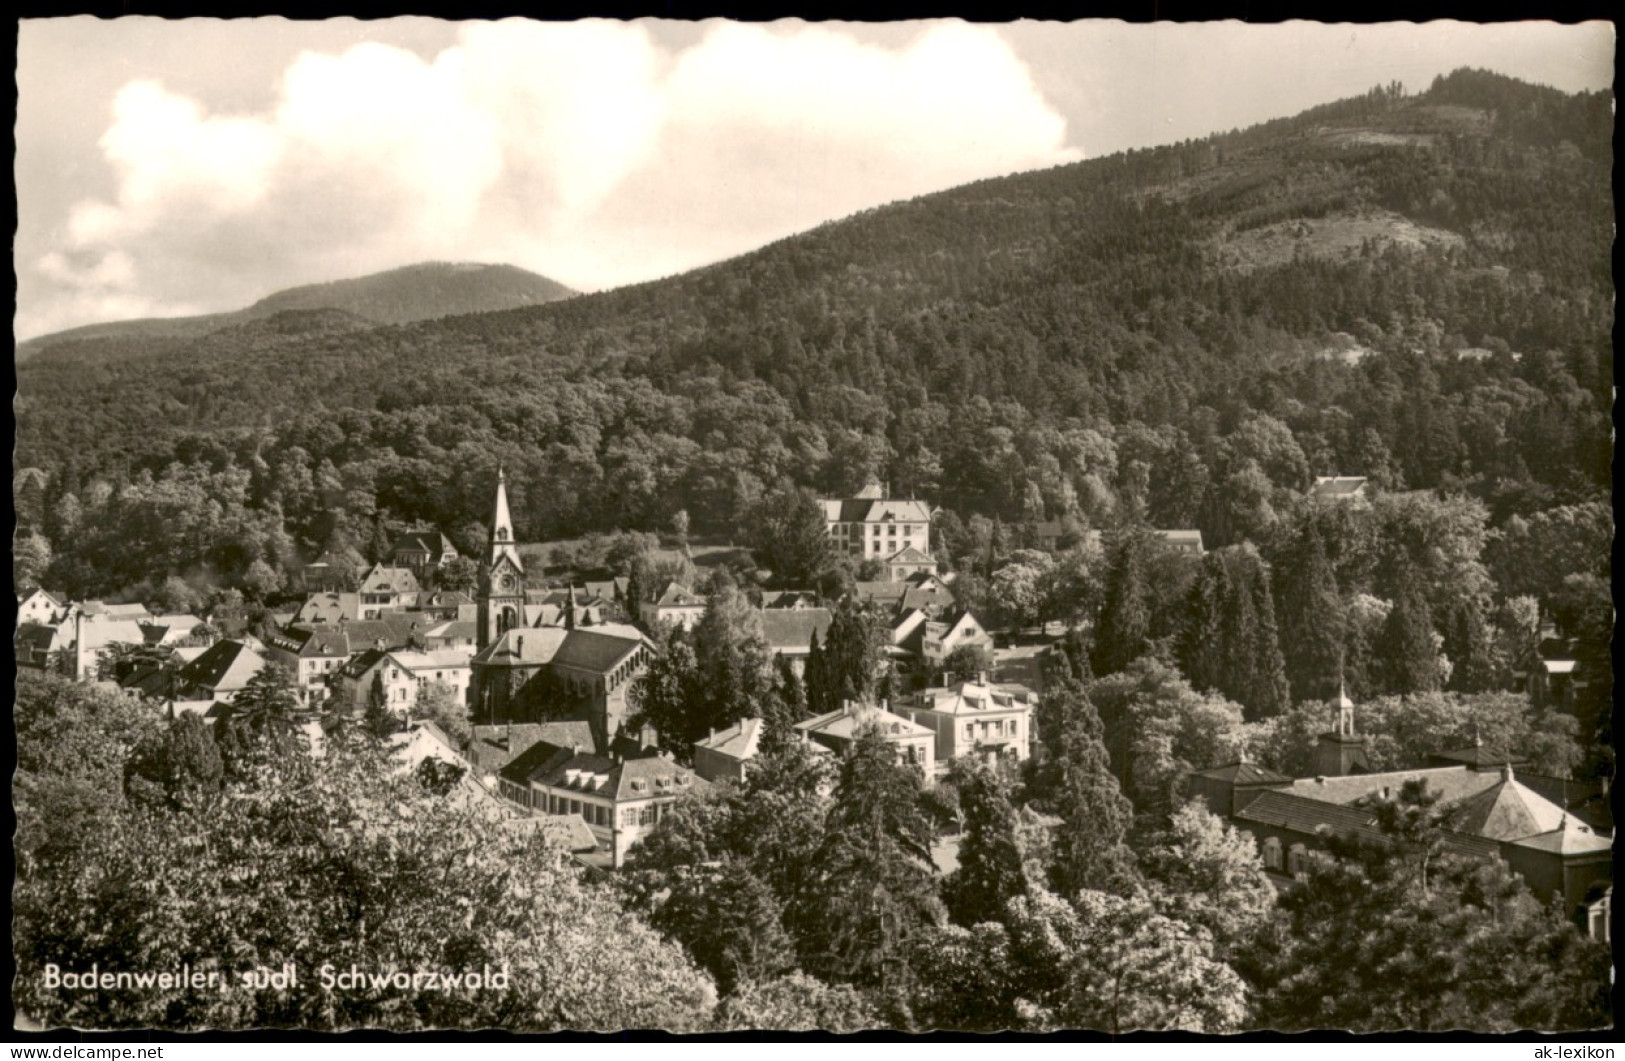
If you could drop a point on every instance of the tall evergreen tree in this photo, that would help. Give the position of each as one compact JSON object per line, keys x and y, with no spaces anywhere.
{"x":876,"y":883}
{"x":851,"y":655}
{"x":1264,"y":692}
{"x":1201,"y":643}
{"x":1406,"y":655}
{"x":1310,"y":606}
{"x":1090,"y":851}
{"x":1124,"y":623}
{"x":821,"y":688}
{"x":1467,"y":646}
{"x":990,"y":871}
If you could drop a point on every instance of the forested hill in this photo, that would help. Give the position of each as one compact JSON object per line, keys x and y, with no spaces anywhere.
{"x":1416,"y":289}
{"x":398,"y":296}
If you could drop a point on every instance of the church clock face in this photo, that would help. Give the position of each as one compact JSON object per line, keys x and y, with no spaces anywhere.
{"x":506,"y":582}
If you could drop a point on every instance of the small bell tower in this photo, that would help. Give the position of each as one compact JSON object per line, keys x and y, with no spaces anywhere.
{"x":1341,"y":752}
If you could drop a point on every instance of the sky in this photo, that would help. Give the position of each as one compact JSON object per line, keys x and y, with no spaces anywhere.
{"x":173,"y":167}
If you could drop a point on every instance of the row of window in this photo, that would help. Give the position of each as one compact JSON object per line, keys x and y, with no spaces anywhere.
{"x":994,"y":728}
{"x":855,"y":530}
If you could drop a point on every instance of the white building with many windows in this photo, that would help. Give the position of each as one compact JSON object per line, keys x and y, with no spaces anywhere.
{"x":872,"y":526}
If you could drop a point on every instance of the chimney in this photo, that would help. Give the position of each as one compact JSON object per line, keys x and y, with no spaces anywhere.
{"x":519,"y":647}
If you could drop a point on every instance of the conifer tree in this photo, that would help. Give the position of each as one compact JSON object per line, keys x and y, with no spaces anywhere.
{"x":1201,"y":643}
{"x":1310,"y":606}
{"x":1467,"y":646}
{"x":634,"y":593}
{"x":1265,"y":693}
{"x":877,"y":886}
{"x":1124,"y":624}
{"x":1089,"y":849}
{"x":821,"y":698}
{"x":1407,"y":657}
{"x":990,"y":871}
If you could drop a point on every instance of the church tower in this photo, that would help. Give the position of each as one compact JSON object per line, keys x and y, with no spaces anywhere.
{"x":502,"y":576}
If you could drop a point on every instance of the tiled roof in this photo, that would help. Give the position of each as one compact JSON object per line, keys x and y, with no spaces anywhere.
{"x":493,"y":747}
{"x":678,"y":596}
{"x":1479,"y":756}
{"x":435,"y":659}
{"x":383,"y":579}
{"x":842,"y":724}
{"x":586,"y":772}
{"x":874,"y":510}
{"x":226,"y":667}
{"x":1245,"y":774}
{"x":909,"y":555}
{"x":1181,"y":537}
{"x":38,"y":636}
{"x":596,"y":649}
{"x":1283,"y":810}
{"x":1583,"y":799}
{"x":789,"y":630}
{"x":536,"y":762}
{"x":362,"y":662}
{"x":1568,"y":840}
{"x":456,"y":630}
{"x":566,"y":831}
{"x":318,"y":640}
{"x":607,"y":591}
{"x":738,"y":741}
{"x":1508,"y":811}
{"x":423,"y":541}
{"x":972,"y":697}
{"x":329,"y":607}
{"x":1453,"y":783}
{"x":395,"y":631}
{"x":790,"y":598}
{"x":103,"y":631}
{"x":1338,"y":485}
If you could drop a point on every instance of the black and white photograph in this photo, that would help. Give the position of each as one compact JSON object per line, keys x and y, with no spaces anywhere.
{"x":693,"y":528}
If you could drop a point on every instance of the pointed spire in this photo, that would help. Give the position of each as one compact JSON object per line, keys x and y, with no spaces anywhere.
{"x":502,"y":537}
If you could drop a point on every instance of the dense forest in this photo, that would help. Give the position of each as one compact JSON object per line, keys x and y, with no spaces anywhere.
{"x":1413,"y":289}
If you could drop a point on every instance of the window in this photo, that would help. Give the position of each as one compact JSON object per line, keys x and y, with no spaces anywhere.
{"x":1272,"y":853}
{"x":1295,"y":860}
{"x":970,"y":731}
{"x":629,"y":816}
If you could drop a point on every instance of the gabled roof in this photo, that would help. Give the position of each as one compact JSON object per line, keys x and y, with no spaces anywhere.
{"x":875,"y":510}
{"x":790,"y":598}
{"x":329,"y":607}
{"x":54,"y":599}
{"x":909,"y":555}
{"x":566,"y":831}
{"x":1337,"y":485}
{"x":536,"y":762}
{"x":679,"y":596}
{"x":320,"y":640}
{"x":587,"y":772}
{"x":433,"y":659}
{"x":383,"y":579}
{"x":113,"y":611}
{"x":789,"y":630}
{"x":445,"y":598}
{"x":493,"y":747}
{"x":225,"y":668}
{"x":1245,"y":774}
{"x":423,"y":541}
{"x":844,"y":723}
{"x":395,"y":631}
{"x":1180,"y":537}
{"x":607,"y":591}
{"x":738,"y":741}
{"x":455,"y":630}
{"x":600,"y":648}
{"x":103,"y":631}
{"x":932,"y":593}
{"x":38,"y":636}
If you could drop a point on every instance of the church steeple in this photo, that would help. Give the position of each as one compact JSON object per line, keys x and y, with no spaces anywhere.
{"x":502,"y":578}
{"x":502,"y":539}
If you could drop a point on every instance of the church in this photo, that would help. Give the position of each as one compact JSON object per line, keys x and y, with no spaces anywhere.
{"x":563,"y":671}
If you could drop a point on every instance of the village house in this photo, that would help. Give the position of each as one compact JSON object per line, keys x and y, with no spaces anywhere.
{"x":401,"y":674}
{"x":490,"y":748}
{"x":423,"y":551}
{"x":1339,"y":488}
{"x":387,"y":589}
{"x":975,"y":718}
{"x":621,"y":801}
{"x":837,"y":730}
{"x":460,"y":635}
{"x":333,"y":573}
{"x":677,"y":605}
{"x":38,"y":646}
{"x":39,"y":606}
{"x":314,"y":654}
{"x":1185,"y":541}
{"x":174,"y":631}
{"x":1489,"y":812}
{"x":872,"y":526}
{"x":723,"y":755}
{"x":928,"y":593}
{"x":94,"y":633}
{"x":789,"y":599}
{"x":327,"y":607}
{"x":789,"y":633}
{"x":214,"y":678}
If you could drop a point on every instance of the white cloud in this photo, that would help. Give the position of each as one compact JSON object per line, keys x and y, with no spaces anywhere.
{"x":584,"y":151}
